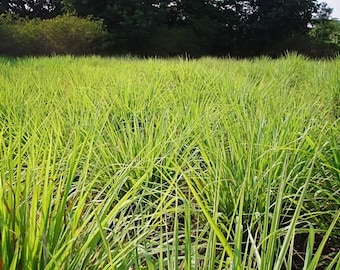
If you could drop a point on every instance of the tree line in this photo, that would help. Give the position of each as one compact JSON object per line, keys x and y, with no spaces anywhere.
{"x":167,"y":27}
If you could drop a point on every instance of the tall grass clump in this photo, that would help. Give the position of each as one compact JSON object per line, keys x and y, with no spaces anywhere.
{"x":122,"y":163}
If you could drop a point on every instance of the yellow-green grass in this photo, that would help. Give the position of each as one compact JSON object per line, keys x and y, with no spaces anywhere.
{"x":123,"y":163}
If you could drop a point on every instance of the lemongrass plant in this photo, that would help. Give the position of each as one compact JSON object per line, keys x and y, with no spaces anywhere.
{"x":123,"y":163}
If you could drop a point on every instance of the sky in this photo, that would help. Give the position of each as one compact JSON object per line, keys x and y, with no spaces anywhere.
{"x":335,"y":4}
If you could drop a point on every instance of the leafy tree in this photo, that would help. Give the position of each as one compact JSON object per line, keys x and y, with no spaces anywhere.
{"x":322,"y":13}
{"x":327,"y":32}
{"x":31,"y":8}
{"x":265,"y":23}
{"x":207,"y":20}
{"x":244,"y":27}
{"x":130,"y":22}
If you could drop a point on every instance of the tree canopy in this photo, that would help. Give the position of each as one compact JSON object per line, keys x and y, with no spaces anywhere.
{"x":245,"y":27}
{"x":32,"y":8}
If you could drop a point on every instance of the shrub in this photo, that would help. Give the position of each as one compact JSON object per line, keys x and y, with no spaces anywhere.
{"x":66,"y":34}
{"x":70,"y":34}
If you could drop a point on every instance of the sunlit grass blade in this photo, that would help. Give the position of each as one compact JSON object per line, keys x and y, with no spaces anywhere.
{"x":209,"y":218}
{"x":316,"y":257}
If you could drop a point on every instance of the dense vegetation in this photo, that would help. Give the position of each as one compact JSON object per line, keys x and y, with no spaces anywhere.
{"x":63,"y":35}
{"x":153,"y":164}
{"x":167,"y":27}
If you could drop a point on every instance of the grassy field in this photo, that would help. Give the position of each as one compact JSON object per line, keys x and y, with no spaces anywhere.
{"x":120,"y":163}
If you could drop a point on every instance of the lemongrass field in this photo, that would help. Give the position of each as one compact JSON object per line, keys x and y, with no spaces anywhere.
{"x":123,"y":163}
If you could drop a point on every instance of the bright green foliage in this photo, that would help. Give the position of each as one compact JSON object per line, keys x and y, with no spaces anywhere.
{"x":152,"y":164}
{"x":327,"y":31}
